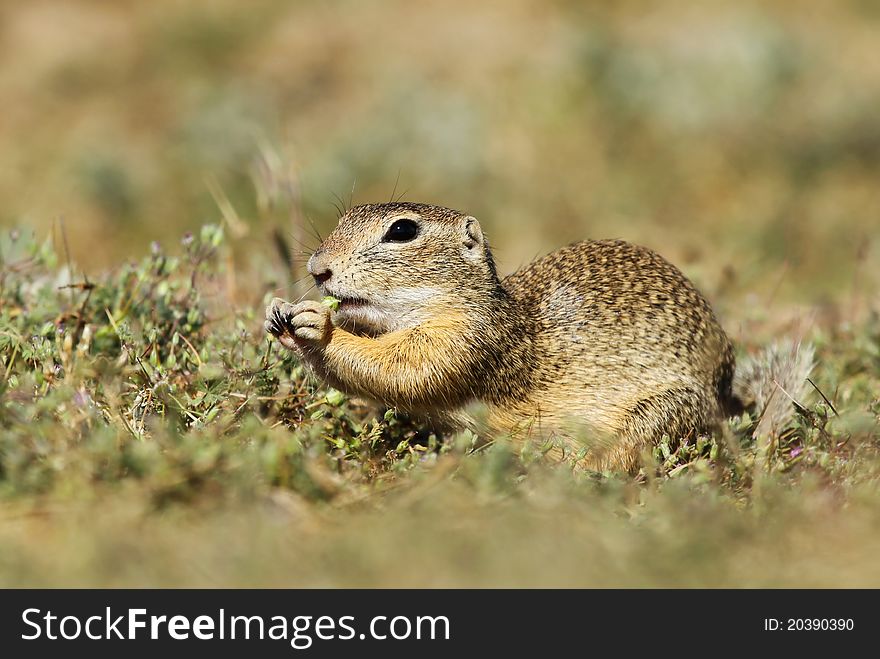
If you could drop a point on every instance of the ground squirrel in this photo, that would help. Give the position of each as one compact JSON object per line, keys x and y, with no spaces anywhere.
{"x":601,"y":339}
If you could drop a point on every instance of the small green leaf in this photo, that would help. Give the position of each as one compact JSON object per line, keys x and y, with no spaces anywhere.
{"x":330,"y":301}
{"x":335,"y":397}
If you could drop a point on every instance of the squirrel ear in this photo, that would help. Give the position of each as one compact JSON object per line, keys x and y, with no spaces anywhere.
{"x":476,"y":249}
{"x":473,"y":234}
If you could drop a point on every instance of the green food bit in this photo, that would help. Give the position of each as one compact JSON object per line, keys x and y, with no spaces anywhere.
{"x":330,"y":301}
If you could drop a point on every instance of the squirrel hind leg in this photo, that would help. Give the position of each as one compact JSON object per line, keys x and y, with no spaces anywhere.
{"x":678,"y":413}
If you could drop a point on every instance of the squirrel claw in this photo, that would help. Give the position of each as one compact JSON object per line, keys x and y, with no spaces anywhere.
{"x":305,"y":322}
{"x":278,"y":318}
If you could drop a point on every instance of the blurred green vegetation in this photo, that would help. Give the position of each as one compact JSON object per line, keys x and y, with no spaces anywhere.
{"x":738,"y":134}
{"x":162,"y":163}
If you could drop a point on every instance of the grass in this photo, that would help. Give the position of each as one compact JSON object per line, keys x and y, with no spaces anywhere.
{"x":151,"y":435}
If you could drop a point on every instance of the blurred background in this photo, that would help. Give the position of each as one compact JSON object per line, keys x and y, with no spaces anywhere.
{"x":741,"y":139}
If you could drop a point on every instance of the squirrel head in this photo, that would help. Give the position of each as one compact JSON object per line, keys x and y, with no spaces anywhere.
{"x":397,"y":265}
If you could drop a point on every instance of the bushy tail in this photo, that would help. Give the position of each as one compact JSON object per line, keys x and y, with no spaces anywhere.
{"x":771,"y":381}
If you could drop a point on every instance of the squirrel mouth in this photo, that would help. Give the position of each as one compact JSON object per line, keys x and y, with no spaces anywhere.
{"x":350,"y":302}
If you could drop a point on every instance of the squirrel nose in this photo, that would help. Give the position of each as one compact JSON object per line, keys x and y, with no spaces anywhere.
{"x":318,"y":268}
{"x":321,"y":277}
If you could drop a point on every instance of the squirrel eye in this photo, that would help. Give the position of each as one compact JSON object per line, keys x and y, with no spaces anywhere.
{"x":401,"y":231}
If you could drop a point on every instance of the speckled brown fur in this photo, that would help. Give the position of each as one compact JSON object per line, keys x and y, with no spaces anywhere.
{"x":603,"y":345}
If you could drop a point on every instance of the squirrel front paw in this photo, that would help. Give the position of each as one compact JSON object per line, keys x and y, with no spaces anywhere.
{"x":302,"y":325}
